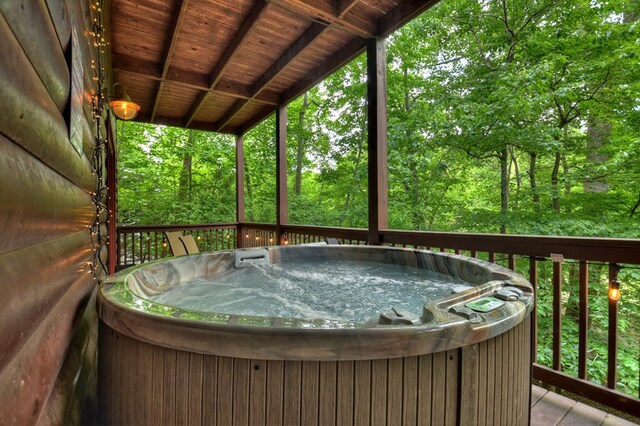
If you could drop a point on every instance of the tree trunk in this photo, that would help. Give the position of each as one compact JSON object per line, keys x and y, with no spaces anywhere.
{"x":535,"y":196}
{"x":504,"y":189}
{"x":635,"y":207}
{"x":554,"y":181}
{"x":598,"y":133}
{"x":301,"y":144}
{"x":186,"y":174}
{"x":516,"y":167}
{"x":356,"y":168}
{"x":247,"y":188}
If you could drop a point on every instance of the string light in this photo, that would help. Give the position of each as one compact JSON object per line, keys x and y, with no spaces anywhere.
{"x":96,"y":266}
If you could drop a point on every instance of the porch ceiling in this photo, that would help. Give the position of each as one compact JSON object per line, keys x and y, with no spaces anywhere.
{"x":224,"y":65}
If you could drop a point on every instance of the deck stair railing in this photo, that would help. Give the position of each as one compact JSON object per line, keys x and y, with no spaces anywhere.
{"x":569,"y":274}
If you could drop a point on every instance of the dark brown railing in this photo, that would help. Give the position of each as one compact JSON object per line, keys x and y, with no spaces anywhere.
{"x":541,"y":259}
{"x":144,"y":243}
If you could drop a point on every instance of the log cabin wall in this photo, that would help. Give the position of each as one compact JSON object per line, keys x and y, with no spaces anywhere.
{"x":48,"y":321}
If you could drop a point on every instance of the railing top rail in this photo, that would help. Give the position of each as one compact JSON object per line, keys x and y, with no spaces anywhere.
{"x":159,"y":228}
{"x":617,"y":250}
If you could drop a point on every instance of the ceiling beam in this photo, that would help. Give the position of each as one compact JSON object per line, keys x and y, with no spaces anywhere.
{"x":247,"y":27}
{"x":292,"y":52}
{"x":228,"y":116}
{"x":344,"y":6}
{"x":274,"y":70}
{"x":256,"y":119}
{"x":151,"y":71}
{"x":313,"y":32}
{"x":177,"y":122}
{"x":327,"y":12}
{"x":344,"y":55}
{"x":402,"y":14}
{"x":177,"y":24}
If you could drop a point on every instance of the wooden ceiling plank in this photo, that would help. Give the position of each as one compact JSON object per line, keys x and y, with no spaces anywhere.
{"x":325,"y":12}
{"x":247,"y":27}
{"x":177,"y":24}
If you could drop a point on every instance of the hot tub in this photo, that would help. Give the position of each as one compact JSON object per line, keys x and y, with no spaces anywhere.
{"x":462,"y":357}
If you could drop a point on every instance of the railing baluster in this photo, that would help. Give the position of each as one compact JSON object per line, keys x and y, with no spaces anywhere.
{"x":533,"y":279}
{"x":583,"y":319}
{"x":512,"y":262}
{"x":133,"y":248}
{"x":612,"y":346}
{"x":492,"y":257}
{"x":125,"y":249}
{"x":155,"y":244}
{"x":148,"y":246}
{"x":141,"y":247}
{"x":119,"y":247}
{"x":557,"y":317}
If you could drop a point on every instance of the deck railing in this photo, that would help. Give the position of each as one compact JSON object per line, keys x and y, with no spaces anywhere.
{"x":556,"y":266}
{"x":144,"y":243}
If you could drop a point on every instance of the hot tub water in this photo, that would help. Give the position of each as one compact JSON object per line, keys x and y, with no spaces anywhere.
{"x":355,"y":291}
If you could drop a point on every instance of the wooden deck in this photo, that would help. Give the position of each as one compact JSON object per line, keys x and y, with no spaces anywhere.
{"x":549,"y":409}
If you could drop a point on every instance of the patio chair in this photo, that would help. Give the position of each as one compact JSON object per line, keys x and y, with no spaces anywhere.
{"x":181,"y":245}
{"x":189,"y":244}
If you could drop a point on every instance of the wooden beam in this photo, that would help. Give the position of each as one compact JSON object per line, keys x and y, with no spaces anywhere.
{"x":257,"y":118}
{"x":228,"y":116}
{"x":240,"y":178}
{"x":282,"y":216}
{"x":285,"y":59}
{"x":377,"y":137}
{"x":327,"y":13}
{"x":345,"y":6}
{"x":347,"y":53}
{"x":402,"y":14}
{"x":227,"y":87}
{"x":247,"y":27}
{"x":177,"y":24}
{"x":288,"y":56}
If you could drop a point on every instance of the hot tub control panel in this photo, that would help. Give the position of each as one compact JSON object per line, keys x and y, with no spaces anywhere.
{"x":485,"y":304}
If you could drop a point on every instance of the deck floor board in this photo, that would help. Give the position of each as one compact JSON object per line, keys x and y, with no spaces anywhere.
{"x":550,"y":409}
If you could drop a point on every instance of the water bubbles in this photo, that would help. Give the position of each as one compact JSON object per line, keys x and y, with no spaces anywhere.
{"x":348,"y":290}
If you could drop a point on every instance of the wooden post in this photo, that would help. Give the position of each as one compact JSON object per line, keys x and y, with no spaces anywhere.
{"x":239,"y":187}
{"x":240,"y":178}
{"x":377,"y":137}
{"x":282,"y":214}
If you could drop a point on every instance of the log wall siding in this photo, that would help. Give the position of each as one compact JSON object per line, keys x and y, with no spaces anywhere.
{"x":483,"y":384}
{"x":48,"y":321}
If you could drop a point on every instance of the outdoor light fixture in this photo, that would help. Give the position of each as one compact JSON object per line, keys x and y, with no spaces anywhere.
{"x":284,"y":239}
{"x":124,"y":108}
{"x":614,"y":290}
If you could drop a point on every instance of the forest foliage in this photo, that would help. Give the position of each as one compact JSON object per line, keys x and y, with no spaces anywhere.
{"x":518,"y":117}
